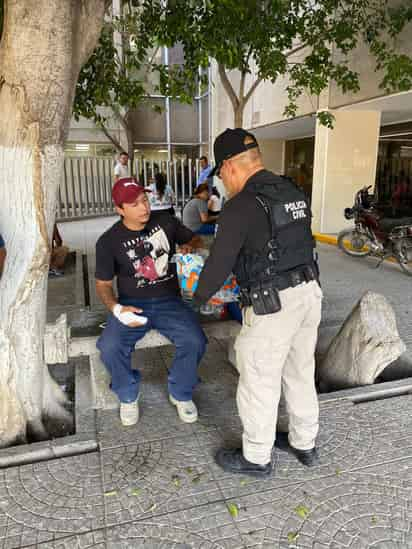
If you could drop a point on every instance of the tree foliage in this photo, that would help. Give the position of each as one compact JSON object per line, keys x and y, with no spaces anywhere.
{"x":308,"y":42}
{"x":110,"y":77}
{"x":120,"y":76}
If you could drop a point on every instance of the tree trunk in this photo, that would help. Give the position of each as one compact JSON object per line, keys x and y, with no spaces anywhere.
{"x":238,"y":115}
{"x":130,"y":151}
{"x":43,"y":46}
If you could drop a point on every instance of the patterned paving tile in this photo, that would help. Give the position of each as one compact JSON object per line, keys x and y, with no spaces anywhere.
{"x":156,"y":422}
{"x":389,"y":423}
{"x":205,"y":527}
{"x":156,"y":477}
{"x":91,"y":540}
{"x":48,"y":500}
{"x":343,"y":442}
{"x":358,"y":510}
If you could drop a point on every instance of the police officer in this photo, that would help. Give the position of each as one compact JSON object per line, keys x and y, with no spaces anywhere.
{"x":264,"y":237}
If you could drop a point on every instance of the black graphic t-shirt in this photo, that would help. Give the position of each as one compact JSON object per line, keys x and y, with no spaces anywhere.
{"x":141,"y":259}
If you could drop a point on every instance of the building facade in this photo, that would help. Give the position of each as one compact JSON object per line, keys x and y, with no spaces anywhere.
{"x":371,"y":143}
{"x":163,"y":129}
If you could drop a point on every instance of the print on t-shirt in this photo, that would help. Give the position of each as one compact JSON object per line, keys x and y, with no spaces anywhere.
{"x":149,"y":256}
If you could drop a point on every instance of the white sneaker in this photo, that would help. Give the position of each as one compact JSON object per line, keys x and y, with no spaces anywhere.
{"x":129,"y":412}
{"x":186,"y":409}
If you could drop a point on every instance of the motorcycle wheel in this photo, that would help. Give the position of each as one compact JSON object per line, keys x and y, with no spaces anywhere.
{"x":404,"y":256}
{"x":354,"y":243}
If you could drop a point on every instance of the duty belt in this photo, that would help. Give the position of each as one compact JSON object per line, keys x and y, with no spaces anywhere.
{"x":281,"y":281}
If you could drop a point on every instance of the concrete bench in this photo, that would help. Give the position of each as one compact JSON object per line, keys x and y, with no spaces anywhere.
{"x":59,"y":346}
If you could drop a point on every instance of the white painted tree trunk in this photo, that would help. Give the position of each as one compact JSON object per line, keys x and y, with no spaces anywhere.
{"x":43,"y":46}
{"x":25,"y":384}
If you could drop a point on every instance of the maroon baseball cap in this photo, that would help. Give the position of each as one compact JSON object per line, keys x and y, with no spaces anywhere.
{"x":127,"y":190}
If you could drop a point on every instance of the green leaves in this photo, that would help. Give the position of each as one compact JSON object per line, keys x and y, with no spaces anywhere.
{"x":302,"y":511}
{"x":176,"y":481}
{"x":233,"y":509}
{"x":308,"y":43}
{"x":292,"y":537}
{"x":326,"y":118}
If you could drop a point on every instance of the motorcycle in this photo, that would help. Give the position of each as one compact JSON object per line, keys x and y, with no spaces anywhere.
{"x":375,"y":234}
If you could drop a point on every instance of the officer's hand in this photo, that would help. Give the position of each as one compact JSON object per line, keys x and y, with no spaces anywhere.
{"x":185,"y":249}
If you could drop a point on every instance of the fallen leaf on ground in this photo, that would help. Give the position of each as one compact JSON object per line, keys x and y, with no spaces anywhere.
{"x":135,"y":491}
{"x":111,"y":493}
{"x":292,"y":536}
{"x":302,"y":511}
{"x":233,"y":509}
{"x":176,"y":480}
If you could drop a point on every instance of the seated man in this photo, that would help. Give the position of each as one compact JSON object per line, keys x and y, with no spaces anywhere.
{"x":137,"y":250}
{"x":195,"y":213}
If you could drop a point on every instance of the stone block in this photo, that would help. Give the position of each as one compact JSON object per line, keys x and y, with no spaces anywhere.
{"x":367,"y":342}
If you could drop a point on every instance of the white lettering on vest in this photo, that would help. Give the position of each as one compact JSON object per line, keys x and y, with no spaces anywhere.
{"x":299,"y":214}
{"x":297,"y":209}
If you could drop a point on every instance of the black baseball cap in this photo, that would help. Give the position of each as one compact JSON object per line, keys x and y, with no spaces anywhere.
{"x":230,"y":143}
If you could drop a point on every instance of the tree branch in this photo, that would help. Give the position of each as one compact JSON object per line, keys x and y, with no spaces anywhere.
{"x":228,"y":86}
{"x":252,"y":89}
{"x":295,"y":50}
{"x":112,"y":139}
{"x":121,"y":118}
{"x":242,"y":86}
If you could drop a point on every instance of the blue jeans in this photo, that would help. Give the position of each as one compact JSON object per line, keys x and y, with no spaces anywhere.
{"x":206,"y":228}
{"x":234,"y":311}
{"x":172,"y":318}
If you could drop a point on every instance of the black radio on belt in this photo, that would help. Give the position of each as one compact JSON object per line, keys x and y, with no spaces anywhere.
{"x":265,"y":299}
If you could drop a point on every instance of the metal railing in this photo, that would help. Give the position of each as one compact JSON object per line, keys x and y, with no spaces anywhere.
{"x":87,"y":183}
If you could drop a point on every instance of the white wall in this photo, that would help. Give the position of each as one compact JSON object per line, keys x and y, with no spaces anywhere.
{"x":345,"y":161}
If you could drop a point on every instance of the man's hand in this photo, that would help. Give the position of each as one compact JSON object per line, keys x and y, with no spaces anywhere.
{"x":126,"y":313}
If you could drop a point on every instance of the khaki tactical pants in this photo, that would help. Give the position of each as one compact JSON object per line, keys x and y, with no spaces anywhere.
{"x":276,"y":352}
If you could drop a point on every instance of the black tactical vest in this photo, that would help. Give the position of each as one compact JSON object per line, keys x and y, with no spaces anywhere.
{"x":291,"y":244}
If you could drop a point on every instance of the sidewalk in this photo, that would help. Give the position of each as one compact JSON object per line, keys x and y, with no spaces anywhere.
{"x":155,"y":485}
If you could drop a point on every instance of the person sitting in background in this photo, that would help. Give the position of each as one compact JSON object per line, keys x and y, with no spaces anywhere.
{"x":215,"y":203}
{"x":195,"y":214}
{"x":58,"y":255}
{"x":162,"y":197}
{"x":3,"y":254}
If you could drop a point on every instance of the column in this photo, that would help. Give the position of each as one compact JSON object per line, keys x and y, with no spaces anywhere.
{"x":273,"y":153}
{"x":345,"y":161}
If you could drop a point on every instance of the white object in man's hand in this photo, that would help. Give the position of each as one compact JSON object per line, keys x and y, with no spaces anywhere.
{"x":129,"y":316}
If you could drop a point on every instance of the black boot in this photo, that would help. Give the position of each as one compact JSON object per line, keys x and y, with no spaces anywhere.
{"x":310,"y":458}
{"x":232,"y":461}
